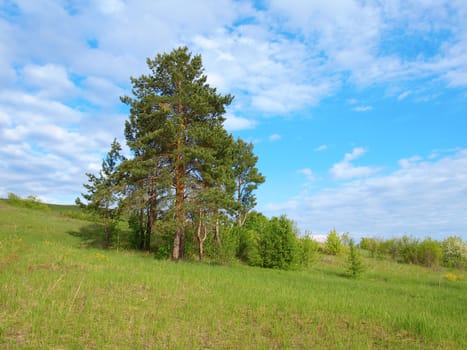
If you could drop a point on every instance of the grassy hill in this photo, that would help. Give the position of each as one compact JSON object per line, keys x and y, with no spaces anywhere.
{"x":58,"y":292}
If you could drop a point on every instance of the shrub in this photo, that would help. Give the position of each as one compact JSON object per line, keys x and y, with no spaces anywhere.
{"x":226,"y":251}
{"x":333,"y":245}
{"x":370,"y":244}
{"x":454,"y":252}
{"x":389,"y":247}
{"x":31,"y":202}
{"x":279,"y":244}
{"x":250,"y":236}
{"x":307,"y":251}
{"x":429,"y":253}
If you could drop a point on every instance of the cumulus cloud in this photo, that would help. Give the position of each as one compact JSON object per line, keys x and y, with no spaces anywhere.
{"x":345,"y":170}
{"x":423,"y":197}
{"x":259,"y":68}
{"x":234,"y":123}
{"x":24,"y":107}
{"x":308,"y":173}
{"x":274,"y":137}
{"x":51,"y":80}
{"x":63,"y":66}
{"x":403,"y":95}
{"x":321,"y":148}
{"x":101,"y":91}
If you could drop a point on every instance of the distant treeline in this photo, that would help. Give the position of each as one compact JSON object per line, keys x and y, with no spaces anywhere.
{"x":451,"y":252}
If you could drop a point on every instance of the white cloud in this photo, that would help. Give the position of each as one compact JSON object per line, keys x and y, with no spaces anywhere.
{"x":308,"y":173}
{"x":23,"y":107}
{"x":355,"y":37}
{"x":345,"y":170}
{"x":274,"y":137}
{"x":51,"y":80}
{"x":265,"y":70}
{"x":426,"y":198}
{"x":285,"y":57}
{"x":363,"y":108}
{"x":101,"y":91}
{"x":403,"y":95}
{"x":111,"y":6}
{"x":281,"y":208}
{"x":409,"y":162}
{"x":456,"y":78}
{"x":234,"y":123}
{"x":321,"y":148}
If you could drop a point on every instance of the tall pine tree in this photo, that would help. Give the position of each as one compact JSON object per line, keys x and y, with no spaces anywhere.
{"x":172,"y":109}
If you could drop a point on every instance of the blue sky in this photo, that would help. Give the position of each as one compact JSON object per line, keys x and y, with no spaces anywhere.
{"x":357,"y":109}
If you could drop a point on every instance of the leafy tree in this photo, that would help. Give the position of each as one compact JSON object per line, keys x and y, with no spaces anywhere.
{"x":430,"y":253}
{"x":278,"y":244}
{"x":389,"y":247}
{"x":103,"y":191}
{"x":454,"y":252}
{"x":307,"y":251}
{"x":370,"y":244}
{"x":250,"y":237}
{"x":407,"y":249}
{"x":345,"y":239}
{"x":333,"y":245}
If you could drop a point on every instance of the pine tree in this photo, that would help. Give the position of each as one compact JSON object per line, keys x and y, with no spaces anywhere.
{"x":247,"y":178}
{"x":354,"y":260}
{"x":103,"y":191}
{"x":174,"y":116}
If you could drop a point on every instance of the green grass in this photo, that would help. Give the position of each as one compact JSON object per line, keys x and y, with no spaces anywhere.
{"x":57,"y":292}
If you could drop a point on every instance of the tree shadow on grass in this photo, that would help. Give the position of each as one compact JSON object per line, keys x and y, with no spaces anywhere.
{"x":91,"y":236}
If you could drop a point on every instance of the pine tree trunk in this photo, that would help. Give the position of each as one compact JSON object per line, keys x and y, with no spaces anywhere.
{"x":180,"y":170}
{"x":177,"y":244}
{"x":179,"y":241}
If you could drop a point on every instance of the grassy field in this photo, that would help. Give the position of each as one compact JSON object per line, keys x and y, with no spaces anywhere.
{"x":57,"y":292}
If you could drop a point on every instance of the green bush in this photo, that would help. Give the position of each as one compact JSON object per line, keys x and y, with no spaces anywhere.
{"x":430,"y":253}
{"x":370,"y":244}
{"x":31,"y":202}
{"x":269,"y":243}
{"x":333,"y":245}
{"x":226,"y":251}
{"x":250,"y":237}
{"x":249,"y":247}
{"x":454,"y":252}
{"x":407,"y":249}
{"x":279,"y":244}
{"x":307,"y":251}
{"x":389,"y":247}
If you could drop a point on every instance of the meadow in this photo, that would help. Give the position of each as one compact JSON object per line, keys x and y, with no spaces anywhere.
{"x":59,"y":290}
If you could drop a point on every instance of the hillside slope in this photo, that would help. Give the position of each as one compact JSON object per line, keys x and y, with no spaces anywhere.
{"x":56,"y":291}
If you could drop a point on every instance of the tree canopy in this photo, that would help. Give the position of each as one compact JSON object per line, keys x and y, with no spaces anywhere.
{"x":186,"y":173}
